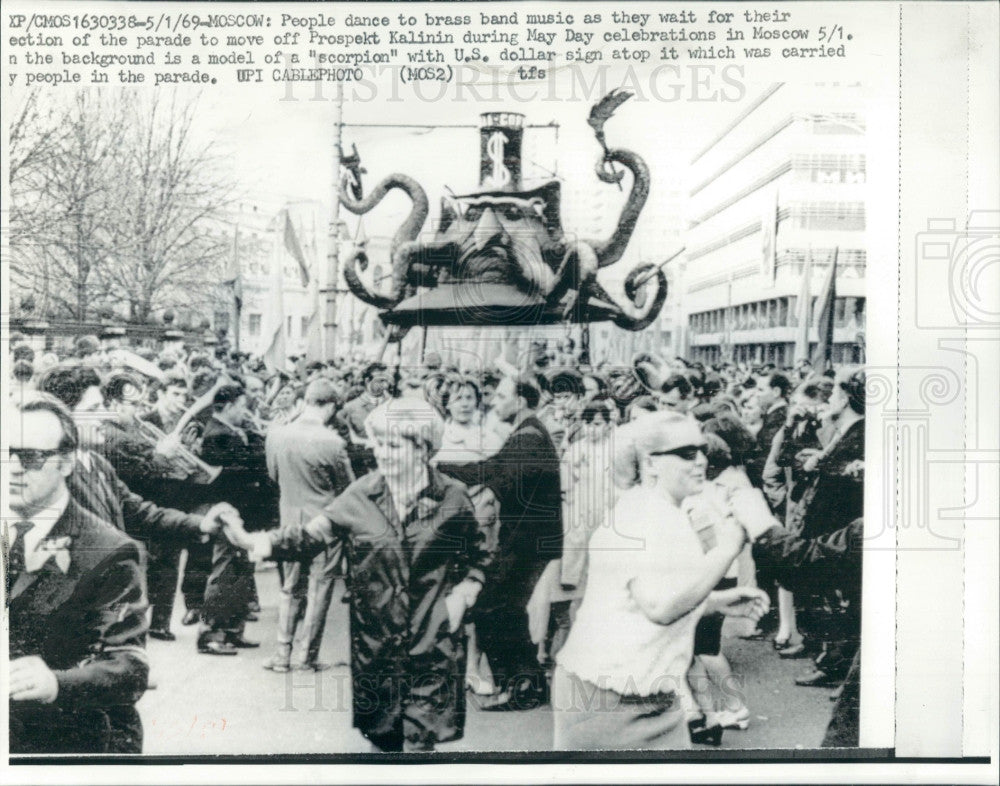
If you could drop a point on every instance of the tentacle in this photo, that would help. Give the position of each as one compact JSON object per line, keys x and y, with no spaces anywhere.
{"x":645,"y":308}
{"x":357,"y":286}
{"x":414,"y":222}
{"x":610,"y":251}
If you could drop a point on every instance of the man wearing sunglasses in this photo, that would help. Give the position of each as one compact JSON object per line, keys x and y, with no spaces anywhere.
{"x":76,"y":602}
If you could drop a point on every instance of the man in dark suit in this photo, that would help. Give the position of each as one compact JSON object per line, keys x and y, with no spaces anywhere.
{"x":76,"y":603}
{"x":146,"y":468}
{"x":524,"y":477}
{"x":772,"y":393}
{"x":245,"y":483}
{"x":165,"y":489}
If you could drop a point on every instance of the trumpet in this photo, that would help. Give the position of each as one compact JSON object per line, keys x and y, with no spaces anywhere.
{"x":186,"y":465}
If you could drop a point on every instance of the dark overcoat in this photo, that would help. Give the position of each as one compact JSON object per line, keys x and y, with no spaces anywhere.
{"x":407,"y":668}
{"x":89,"y":626}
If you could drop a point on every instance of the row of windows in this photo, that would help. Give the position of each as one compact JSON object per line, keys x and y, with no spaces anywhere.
{"x":777,"y":312}
{"x":844,"y":216}
{"x":781,"y":355}
{"x":255,"y":322}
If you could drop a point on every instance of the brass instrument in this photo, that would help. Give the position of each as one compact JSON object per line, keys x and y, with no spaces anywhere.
{"x":186,"y":464}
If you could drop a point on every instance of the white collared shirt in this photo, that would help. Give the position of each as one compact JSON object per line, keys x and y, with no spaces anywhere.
{"x":43,"y":520}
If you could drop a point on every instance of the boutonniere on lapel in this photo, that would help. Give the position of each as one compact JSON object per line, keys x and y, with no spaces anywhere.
{"x":58,"y":548}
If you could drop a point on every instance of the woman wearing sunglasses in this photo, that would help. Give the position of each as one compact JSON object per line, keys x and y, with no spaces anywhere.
{"x":622,"y":670}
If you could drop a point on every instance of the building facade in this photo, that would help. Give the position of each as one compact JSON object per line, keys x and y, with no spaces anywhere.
{"x":256,"y":232}
{"x":773,"y":197}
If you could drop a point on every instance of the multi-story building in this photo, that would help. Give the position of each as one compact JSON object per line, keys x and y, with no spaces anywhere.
{"x":781,"y":184}
{"x":256,"y":229}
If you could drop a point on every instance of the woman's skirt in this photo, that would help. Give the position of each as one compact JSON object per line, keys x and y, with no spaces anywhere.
{"x":591,"y":718}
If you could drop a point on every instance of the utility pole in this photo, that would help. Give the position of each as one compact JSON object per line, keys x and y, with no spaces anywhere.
{"x":329,"y":333}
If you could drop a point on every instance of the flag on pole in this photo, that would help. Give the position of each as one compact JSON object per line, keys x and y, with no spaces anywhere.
{"x":234,"y":278}
{"x":314,"y":328}
{"x":276,"y":354}
{"x":293,"y":247}
{"x":768,"y":237}
{"x":823,"y":356}
{"x":803,"y":312}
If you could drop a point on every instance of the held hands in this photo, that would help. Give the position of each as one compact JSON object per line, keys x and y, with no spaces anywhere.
{"x":236,"y":534}
{"x":32,"y":680}
{"x":740,"y":602}
{"x":219,"y":515}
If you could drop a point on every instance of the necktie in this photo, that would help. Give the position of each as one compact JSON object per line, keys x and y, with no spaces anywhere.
{"x":16,"y":559}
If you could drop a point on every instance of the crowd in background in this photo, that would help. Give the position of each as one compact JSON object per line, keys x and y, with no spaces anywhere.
{"x":213,"y":461}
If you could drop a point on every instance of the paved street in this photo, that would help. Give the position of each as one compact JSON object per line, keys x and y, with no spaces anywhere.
{"x":206,"y":705}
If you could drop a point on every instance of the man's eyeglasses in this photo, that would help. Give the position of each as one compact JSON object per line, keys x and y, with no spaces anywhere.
{"x":33,"y":458}
{"x":688,"y":453}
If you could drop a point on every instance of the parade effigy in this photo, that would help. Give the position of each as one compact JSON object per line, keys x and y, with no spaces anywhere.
{"x":500,"y":255}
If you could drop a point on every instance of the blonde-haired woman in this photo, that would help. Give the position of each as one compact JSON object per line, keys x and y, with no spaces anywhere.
{"x":621,"y":673}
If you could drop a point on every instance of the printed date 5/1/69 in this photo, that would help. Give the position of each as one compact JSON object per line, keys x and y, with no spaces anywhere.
{"x":425,"y":74}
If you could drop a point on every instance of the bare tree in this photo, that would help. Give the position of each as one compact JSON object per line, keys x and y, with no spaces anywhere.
{"x":115,"y":203}
{"x":61,"y":209}
{"x":168,"y":248}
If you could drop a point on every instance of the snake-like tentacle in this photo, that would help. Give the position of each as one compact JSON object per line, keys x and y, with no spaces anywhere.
{"x":643,"y":307}
{"x":610,"y":250}
{"x":402,"y":242}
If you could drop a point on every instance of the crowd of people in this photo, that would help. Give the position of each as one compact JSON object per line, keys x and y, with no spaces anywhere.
{"x":528,"y":533}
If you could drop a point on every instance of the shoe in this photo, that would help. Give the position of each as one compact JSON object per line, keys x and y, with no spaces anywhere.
{"x":816,"y":679}
{"x":526,"y":697}
{"x":313,"y":666}
{"x":480,"y":687}
{"x":252,"y":616}
{"x":499,"y":702}
{"x":836,"y":692}
{"x":161,"y":634}
{"x":346,"y":597}
{"x":191,"y":617}
{"x":216,"y":647}
{"x":241,"y":643}
{"x":253,"y":606}
{"x":755,"y":635}
{"x":780,"y":644}
{"x":729,"y":719}
{"x":793,"y":651}
{"x":704,"y":734}
{"x":277,"y":663}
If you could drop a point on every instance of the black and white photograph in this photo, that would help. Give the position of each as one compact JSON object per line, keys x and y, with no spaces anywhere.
{"x":511,"y":383}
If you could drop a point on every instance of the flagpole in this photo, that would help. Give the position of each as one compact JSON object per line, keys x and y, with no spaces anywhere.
{"x":804,"y":311}
{"x":237,"y":289}
{"x":329,"y":332}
